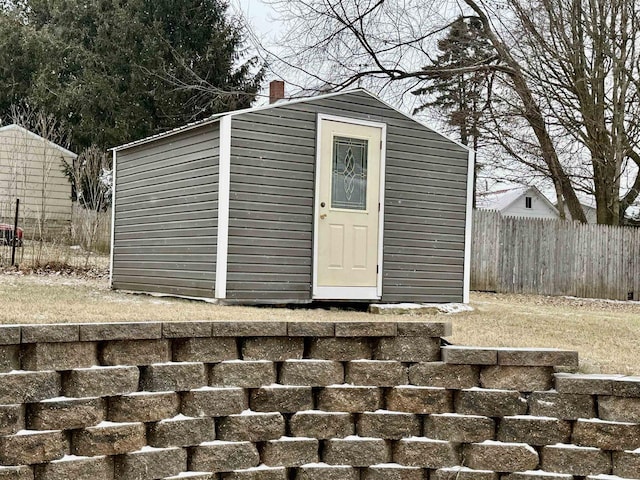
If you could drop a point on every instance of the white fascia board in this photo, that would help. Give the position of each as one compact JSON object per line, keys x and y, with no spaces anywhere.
{"x":468,"y":229}
{"x":224,"y":184}
{"x":37,"y":137}
{"x":113,"y":220}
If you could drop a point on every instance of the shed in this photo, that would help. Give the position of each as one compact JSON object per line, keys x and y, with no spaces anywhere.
{"x":32,"y":170}
{"x":335,"y":197}
{"x":522,"y":201}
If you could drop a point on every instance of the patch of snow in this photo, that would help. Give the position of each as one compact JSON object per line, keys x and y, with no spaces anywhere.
{"x":447,"y":308}
{"x":574,"y":447}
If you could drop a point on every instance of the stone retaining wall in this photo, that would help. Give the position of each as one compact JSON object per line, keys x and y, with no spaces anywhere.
{"x":302,"y":401}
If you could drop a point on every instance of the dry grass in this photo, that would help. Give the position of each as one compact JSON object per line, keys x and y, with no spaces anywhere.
{"x":607,"y":335}
{"x":38,"y":255}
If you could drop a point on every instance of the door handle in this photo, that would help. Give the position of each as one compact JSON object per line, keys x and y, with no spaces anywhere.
{"x":323,"y":215}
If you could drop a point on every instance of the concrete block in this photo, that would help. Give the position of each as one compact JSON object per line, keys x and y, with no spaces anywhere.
{"x":501,"y":457}
{"x":412,"y":399}
{"x":101,"y":381}
{"x":625,"y":464}
{"x":585,"y":384}
{"x":365,"y":329}
{"x":389,"y":425}
{"x":50,"y":333}
{"x":459,"y":428}
{"x":462,"y":355}
{"x":426,"y":453}
{"x":151,"y":463}
{"x":377,"y":373}
{"x":26,"y":387}
{"x":181,"y":431}
{"x":619,"y":409}
{"x":277,"y":398}
{"x":539,"y":357}
{"x":9,"y":335}
{"x":490,"y":403}
{"x":440,"y":374}
{"x":606,"y":435}
{"x":243,"y":373}
{"x":213,"y":401}
{"x":424,"y":329}
{"x":327,"y":472}
{"x":572,"y":460}
{"x":321,"y":425}
{"x":290,"y":452}
{"x":310,"y":329}
{"x":186,"y":329}
{"x":120,"y":331}
{"x":392,"y":471}
{"x":534,"y":430}
{"x":408,"y":349}
{"x":276,"y":349}
{"x":76,"y":468}
{"x":251,"y":427}
{"x":356,"y":451}
{"x":562,"y":406}
{"x":59,"y":356}
{"x":12,"y":419}
{"x":250,"y":329}
{"x":314,"y":373}
{"x":173,"y":376}
{"x":144,"y":407}
{"x":627,"y":387}
{"x":537,"y":475}
{"x":23,"y":472}
{"x":258,"y":473}
{"x":463,"y":473}
{"x":108,"y":438}
{"x":135,"y":352}
{"x":220,"y":456}
{"x":28,"y":447}
{"x":341,"y":349}
{"x":66,"y":413}
{"x":523,"y":379}
{"x":207,"y":350}
{"x":349,"y":398}
{"x":9,"y":358}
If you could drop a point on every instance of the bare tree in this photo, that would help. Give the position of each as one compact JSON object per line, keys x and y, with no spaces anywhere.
{"x":565,"y":73}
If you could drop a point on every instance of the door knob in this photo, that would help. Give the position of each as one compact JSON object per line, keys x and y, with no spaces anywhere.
{"x":322,"y":216}
{"x":322,"y":204}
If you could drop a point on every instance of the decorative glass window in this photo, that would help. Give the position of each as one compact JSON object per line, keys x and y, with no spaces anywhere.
{"x":349,"y":173}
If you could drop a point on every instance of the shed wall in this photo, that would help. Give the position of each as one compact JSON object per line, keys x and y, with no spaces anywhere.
{"x":33,"y":171}
{"x":271,"y":203}
{"x":165,"y":230}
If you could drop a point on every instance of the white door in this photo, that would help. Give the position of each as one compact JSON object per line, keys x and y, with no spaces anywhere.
{"x":348,"y":211}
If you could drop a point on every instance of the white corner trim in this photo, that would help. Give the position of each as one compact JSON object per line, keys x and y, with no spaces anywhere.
{"x":348,"y":293}
{"x":224,"y":183}
{"x":113,"y":220}
{"x":468,"y":229}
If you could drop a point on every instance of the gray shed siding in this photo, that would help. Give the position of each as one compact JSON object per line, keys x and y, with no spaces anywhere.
{"x":167,"y":214}
{"x":271,"y":204}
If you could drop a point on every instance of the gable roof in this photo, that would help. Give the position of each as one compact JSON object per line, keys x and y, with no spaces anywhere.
{"x":502,"y":199}
{"x":35,"y":136}
{"x":280,"y":103}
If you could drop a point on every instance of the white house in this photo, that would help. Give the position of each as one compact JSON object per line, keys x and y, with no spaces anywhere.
{"x":518,"y":202}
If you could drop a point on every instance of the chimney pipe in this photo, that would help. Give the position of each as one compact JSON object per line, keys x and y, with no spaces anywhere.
{"x":276,"y":91}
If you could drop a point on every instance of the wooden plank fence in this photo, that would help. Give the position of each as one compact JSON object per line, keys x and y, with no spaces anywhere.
{"x":554,"y":257}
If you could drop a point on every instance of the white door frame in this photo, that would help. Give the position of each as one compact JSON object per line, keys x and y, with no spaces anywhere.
{"x":348,"y":293}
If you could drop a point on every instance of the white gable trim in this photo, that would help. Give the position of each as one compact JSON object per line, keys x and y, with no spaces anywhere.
{"x":35,"y":136}
{"x":466,"y":284}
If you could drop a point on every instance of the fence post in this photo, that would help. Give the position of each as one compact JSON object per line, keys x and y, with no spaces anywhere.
{"x":15,"y":234}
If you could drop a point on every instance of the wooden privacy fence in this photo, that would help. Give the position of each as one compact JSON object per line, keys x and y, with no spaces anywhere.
{"x":554,"y":257}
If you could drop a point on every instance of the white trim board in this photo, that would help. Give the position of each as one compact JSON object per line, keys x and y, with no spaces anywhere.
{"x":466,"y":287}
{"x":113,"y":219}
{"x":224,"y":185}
{"x":348,"y":293}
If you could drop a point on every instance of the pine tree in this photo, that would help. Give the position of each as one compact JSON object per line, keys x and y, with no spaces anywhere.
{"x":459,"y":95}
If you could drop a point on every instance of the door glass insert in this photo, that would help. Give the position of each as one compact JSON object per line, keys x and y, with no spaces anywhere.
{"x":349,"y":173}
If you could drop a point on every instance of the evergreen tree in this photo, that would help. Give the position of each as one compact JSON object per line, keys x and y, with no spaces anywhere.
{"x":119,"y":70}
{"x":456,"y":93}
